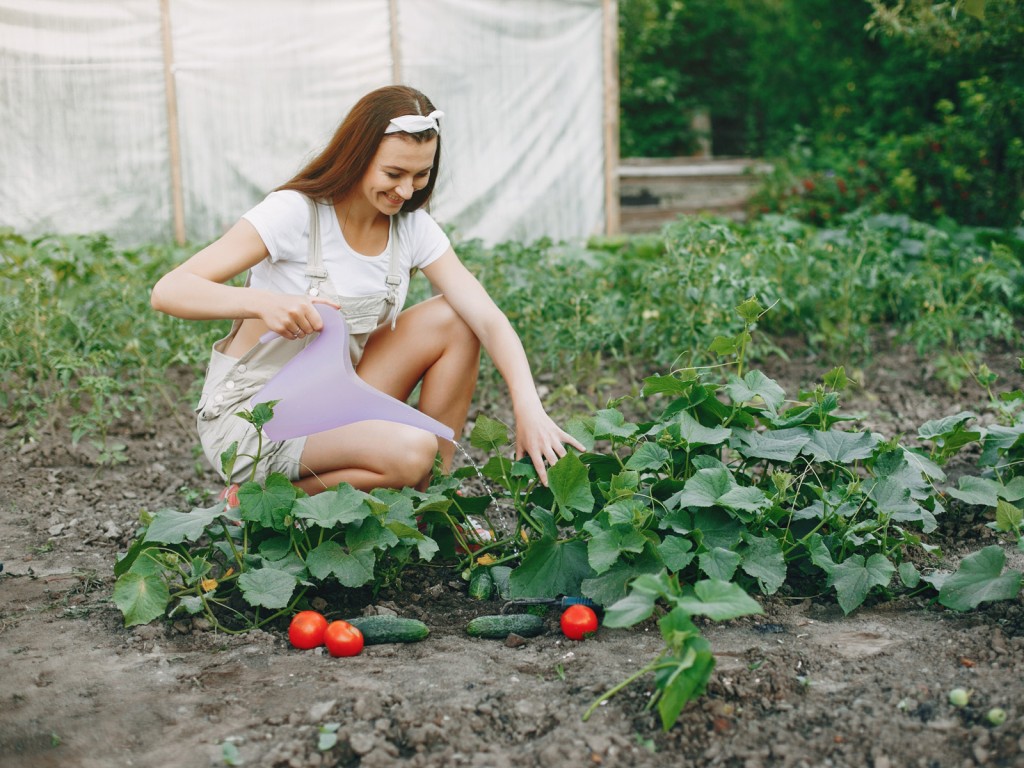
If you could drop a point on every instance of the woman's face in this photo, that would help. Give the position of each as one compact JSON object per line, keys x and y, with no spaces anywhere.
{"x":400,"y":167}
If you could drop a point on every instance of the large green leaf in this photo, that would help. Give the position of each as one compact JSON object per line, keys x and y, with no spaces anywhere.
{"x":171,"y":527}
{"x":980,"y":579}
{"x":425,"y":546}
{"x":551,"y":568}
{"x":938,"y":428}
{"x":691,"y":432}
{"x":1013,"y":490}
{"x":148,"y":561}
{"x":717,"y":528}
{"x":716,"y":487}
{"x":704,"y":488}
{"x":910,"y":470}
{"x":676,"y":552}
{"x":854,"y":577}
{"x":819,"y":553}
{"x":756,"y":385}
{"x":569,"y":481}
{"x":923,"y":465}
{"x":498,"y":469}
{"x":1008,"y":517}
{"x":141,"y":597}
{"x":719,"y":563}
{"x":267,"y":587}
{"x":610,"y":423}
{"x":683,"y":674}
{"x":327,"y":510}
{"x":667,"y":385}
{"x":893,"y":498}
{"x":719,"y":600}
{"x":648,"y":456}
{"x":488,"y":434}
{"x":999,"y":439}
{"x":630,"y":610}
{"x":763,"y":560}
{"x":269,"y":503}
{"x":981,"y":491}
{"x":369,"y":534}
{"x":775,"y":445}
{"x":582,"y":428}
{"x":350,"y":569}
{"x":605,"y":546}
{"x":841,"y":447}
{"x":610,"y":586}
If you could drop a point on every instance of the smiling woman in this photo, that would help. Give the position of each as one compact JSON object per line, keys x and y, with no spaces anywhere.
{"x":347,"y":231}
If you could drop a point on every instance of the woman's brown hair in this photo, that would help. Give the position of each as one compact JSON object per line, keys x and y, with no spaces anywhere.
{"x":341,"y":164}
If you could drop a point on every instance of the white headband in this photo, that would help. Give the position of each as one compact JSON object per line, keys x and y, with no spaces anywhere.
{"x":415,"y":123}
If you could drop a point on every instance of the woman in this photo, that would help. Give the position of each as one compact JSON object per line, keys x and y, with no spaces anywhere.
{"x":346,"y":232}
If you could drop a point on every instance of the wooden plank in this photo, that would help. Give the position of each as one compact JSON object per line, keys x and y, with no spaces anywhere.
{"x":396,"y":45}
{"x":651,"y":218}
{"x":610,"y":19}
{"x":173,"y":128}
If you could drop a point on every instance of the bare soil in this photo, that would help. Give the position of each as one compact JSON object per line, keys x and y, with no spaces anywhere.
{"x":802,"y":685}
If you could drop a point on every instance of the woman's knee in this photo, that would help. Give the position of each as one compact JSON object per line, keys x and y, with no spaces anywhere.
{"x":450,"y":323}
{"x":414,"y":451}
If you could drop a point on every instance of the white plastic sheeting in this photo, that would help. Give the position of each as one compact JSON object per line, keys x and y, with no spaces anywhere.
{"x":93,"y":93}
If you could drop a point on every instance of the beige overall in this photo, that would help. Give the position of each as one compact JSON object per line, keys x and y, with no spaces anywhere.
{"x":230,"y":382}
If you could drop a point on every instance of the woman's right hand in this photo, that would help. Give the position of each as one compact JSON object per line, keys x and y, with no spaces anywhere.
{"x":291,"y":316}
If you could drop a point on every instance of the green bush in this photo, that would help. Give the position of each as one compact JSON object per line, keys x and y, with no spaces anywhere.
{"x":921,"y":113}
{"x":91,"y":352}
{"x":88,"y":349}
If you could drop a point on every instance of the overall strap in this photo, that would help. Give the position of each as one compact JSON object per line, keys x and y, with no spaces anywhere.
{"x":394,"y":278}
{"x":315,"y":270}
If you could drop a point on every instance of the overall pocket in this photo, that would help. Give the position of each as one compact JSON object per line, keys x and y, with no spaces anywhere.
{"x":364,"y":313}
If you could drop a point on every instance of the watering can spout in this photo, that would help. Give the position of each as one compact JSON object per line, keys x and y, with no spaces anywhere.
{"x":319,"y":389}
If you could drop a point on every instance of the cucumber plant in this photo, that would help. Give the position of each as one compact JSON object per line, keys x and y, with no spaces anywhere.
{"x":243,"y":567}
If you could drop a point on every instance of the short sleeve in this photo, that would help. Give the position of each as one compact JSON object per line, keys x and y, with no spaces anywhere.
{"x":281,"y":220}
{"x":428,"y":240}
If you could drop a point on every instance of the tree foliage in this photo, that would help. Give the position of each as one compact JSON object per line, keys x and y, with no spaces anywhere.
{"x":924,"y":100}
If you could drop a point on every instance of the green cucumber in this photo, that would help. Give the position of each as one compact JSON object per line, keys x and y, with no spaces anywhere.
{"x":389,"y":629}
{"x":481,"y":584}
{"x":500,"y":627}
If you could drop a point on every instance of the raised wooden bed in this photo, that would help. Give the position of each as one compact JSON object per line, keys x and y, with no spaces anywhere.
{"x":655,"y":191}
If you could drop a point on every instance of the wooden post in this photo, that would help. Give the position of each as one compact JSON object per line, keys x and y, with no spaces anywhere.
{"x":396,"y":48}
{"x":612,"y":215}
{"x":173,"y":133}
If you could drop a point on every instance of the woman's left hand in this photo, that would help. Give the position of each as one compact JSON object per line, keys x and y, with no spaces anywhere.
{"x":542,"y":440}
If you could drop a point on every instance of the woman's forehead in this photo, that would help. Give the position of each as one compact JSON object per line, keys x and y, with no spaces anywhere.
{"x":405,"y":153}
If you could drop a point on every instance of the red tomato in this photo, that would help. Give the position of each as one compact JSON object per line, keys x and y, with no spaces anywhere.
{"x":307,"y":630}
{"x":578,"y":621}
{"x":342,"y":639}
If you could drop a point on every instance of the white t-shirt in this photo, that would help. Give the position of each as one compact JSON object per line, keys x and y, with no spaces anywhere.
{"x":282,"y":221}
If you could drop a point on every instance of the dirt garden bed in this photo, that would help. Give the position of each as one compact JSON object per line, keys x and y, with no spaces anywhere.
{"x":801,"y":685}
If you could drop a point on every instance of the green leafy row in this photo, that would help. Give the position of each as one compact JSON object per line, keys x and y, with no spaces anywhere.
{"x":732,"y":489}
{"x":625,"y":305}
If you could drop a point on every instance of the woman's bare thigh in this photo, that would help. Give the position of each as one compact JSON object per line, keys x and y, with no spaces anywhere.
{"x":375,"y":446}
{"x":395,"y":360}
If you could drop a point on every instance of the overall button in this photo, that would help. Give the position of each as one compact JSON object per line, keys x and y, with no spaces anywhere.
{"x":314,"y":291}
{"x":229,"y":384}
{"x":242,"y":369}
{"x":218,"y":398}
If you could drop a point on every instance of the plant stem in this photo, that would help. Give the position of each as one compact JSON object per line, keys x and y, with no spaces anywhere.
{"x":622,"y":685}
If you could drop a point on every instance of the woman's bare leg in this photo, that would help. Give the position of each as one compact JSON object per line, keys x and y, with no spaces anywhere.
{"x":430,"y":343}
{"x":367,"y":455}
